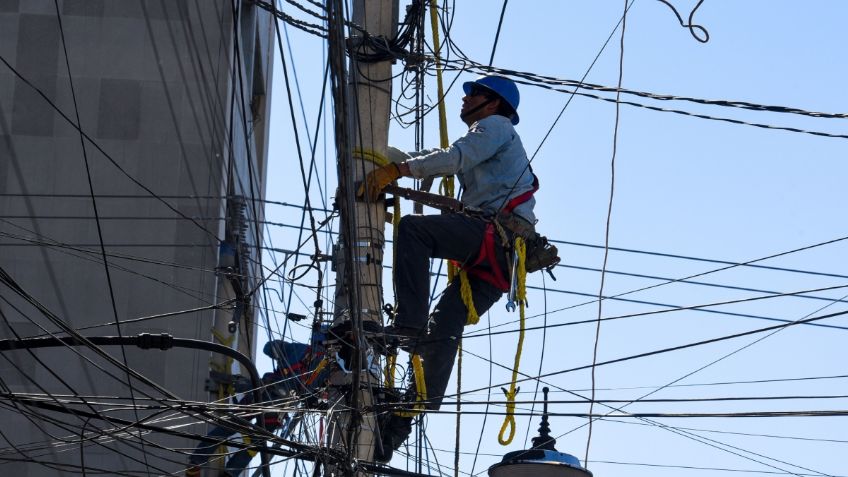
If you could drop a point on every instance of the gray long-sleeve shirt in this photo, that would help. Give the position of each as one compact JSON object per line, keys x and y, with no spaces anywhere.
{"x":490,"y":163}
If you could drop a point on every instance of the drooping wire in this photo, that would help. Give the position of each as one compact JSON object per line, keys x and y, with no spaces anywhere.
{"x":105,"y":154}
{"x":306,"y":180}
{"x":693,"y":28}
{"x":99,"y":227}
{"x":607,"y":228}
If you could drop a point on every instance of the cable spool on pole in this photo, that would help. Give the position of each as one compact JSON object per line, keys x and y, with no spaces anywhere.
{"x":541,"y":460}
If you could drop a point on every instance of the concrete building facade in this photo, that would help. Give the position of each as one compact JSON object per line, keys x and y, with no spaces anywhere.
{"x":133,"y":144}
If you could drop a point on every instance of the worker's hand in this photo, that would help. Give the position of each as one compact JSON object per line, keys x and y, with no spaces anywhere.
{"x":396,"y":155}
{"x":376,"y":180}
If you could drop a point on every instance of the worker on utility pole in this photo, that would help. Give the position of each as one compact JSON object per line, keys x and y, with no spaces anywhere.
{"x":295,"y":377}
{"x":498,"y":186}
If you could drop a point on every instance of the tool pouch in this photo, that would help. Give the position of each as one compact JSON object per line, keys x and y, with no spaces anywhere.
{"x":540,"y":254}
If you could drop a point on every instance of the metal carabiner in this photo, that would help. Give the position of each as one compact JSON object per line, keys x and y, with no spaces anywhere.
{"x":513,"y":283}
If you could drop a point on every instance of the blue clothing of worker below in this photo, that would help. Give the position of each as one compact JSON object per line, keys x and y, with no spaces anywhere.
{"x":296,"y":362}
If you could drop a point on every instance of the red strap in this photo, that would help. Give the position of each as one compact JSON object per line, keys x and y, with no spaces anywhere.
{"x":487,"y":254}
{"x":518,"y":200}
{"x":487,"y":247}
{"x":271,"y":420}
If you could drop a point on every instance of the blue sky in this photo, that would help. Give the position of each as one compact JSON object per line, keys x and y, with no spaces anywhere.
{"x":683,"y":186}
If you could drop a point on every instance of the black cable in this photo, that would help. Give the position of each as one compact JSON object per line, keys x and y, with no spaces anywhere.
{"x":306,"y":180}
{"x":110,"y":286}
{"x":676,"y":348}
{"x":542,"y":354}
{"x":750,"y":263}
{"x":608,"y":224}
{"x":657,"y":400}
{"x":498,"y":33}
{"x":78,"y":128}
{"x":693,"y":307}
{"x":142,"y":197}
{"x":145,"y":341}
{"x":691,"y":26}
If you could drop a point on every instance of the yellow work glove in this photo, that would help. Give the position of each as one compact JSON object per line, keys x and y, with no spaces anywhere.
{"x":376,"y":180}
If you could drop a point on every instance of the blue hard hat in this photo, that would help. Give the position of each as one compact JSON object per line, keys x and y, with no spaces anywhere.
{"x":286,"y":352}
{"x":501,"y":86}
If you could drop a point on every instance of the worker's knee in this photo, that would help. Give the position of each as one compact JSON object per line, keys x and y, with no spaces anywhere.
{"x":410,"y":227}
{"x":407,"y":223}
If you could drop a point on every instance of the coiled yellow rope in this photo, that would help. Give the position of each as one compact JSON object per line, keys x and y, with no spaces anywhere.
{"x":420,"y":388}
{"x":372,"y":156}
{"x":521,"y":296}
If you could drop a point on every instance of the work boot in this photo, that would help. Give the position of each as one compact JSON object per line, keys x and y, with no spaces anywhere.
{"x":403,"y":337}
{"x":393,"y":433}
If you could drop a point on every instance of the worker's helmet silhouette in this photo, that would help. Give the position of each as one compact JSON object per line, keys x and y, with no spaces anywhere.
{"x":501,"y":86}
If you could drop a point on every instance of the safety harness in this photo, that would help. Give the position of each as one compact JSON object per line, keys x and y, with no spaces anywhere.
{"x":495,"y":276}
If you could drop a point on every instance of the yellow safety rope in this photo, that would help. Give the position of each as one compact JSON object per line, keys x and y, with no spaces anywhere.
{"x":247,"y":440}
{"x":420,"y":388}
{"x":446,"y":187}
{"x":465,"y":288}
{"x":521,"y":296}
{"x":224,"y":390}
{"x":316,"y":372}
{"x":391,"y":362}
{"x":369,"y":155}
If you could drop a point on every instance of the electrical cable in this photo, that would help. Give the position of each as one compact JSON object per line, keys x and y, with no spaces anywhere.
{"x":691,"y":26}
{"x":91,"y":141}
{"x":677,"y":348}
{"x":95,"y":211}
{"x":498,"y":33}
{"x":607,"y":227}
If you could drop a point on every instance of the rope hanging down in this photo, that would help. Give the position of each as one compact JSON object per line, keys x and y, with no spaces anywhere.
{"x":521,"y":295}
{"x":446,"y":187}
{"x":420,"y":389}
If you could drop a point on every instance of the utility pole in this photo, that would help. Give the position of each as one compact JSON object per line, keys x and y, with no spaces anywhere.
{"x":362,"y":121}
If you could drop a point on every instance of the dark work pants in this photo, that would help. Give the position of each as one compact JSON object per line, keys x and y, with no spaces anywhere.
{"x":236,"y":463}
{"x":449,"y":236}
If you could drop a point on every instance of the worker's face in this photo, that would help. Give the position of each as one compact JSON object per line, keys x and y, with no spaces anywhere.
{"x":476,"y":105}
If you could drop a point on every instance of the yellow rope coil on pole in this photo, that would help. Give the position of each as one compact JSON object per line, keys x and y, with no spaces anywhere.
{"x":420,"y":388}
{"x":521,"y":296}
{"x":371,"y":156}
